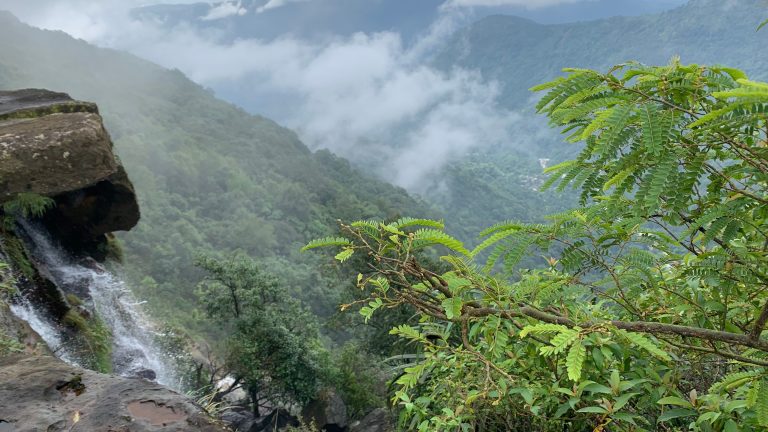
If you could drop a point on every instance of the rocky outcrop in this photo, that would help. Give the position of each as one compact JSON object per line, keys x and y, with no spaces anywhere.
{"x":45,"y":394}
{"x":327,"y":411}
{"x":55,"y":146}
{"x":378,"y":420}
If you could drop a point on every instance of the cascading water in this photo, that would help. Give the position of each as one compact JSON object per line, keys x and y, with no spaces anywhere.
{"x":47,"y":330}
{"x":134,"y":350}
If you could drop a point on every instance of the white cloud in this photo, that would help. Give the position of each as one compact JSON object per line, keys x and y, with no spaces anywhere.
{"x":528,"y":4}
{"x":224,"y":10}
{"x":366,"y":97}
{"x":273,"y":4}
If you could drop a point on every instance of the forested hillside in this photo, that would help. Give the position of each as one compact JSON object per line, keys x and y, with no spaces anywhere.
{"x":519,"y":54}
{"x":209,"y":176}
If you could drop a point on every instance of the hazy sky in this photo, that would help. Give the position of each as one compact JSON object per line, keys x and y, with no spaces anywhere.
{"x":360,"y":94}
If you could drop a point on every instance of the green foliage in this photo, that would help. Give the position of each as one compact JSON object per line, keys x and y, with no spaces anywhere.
{"x":9,"y":345}
{"x":16,"y":254}
{"x":273,"y":342}
{"x":28,"y":205}
{"x":7,"y":281}
{"x":654,"y":289}
{"x":359,"y":380}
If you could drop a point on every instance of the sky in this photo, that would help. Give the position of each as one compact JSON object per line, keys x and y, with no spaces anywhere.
{"x":367,"y":93}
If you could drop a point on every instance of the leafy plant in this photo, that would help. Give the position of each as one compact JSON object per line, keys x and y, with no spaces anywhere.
{"x":28,"y":205}
{"x":273,"y":342}
{"x":658,"y":279}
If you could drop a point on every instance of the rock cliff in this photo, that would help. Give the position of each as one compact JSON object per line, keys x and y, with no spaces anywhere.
{"x":55,"y":147}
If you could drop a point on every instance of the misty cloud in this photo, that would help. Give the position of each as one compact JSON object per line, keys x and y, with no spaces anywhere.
{"x":272,"y":4}
{"x":529,"y":4}
{"x":224,"y":10}
{"x":366,"y":97}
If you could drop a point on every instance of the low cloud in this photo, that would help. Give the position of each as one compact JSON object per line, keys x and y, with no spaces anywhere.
{"x":273,"y":4}
{"x":225,"y":10}
{"x":367,"y":97}
{"x":528,"y":4}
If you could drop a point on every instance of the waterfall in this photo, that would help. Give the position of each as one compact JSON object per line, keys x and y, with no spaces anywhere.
{"x":134,"y":351}
{"x":47,"y":330}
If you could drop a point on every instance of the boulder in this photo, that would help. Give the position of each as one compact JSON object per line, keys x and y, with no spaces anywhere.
{"x":54,"y":146}
{"x":328,"y":412}
{"x":45,"y":394}
{"x":53,"y":154}
{"x":239,"y":420}
{"x":378,"y":420}
{"x":277,"y":420}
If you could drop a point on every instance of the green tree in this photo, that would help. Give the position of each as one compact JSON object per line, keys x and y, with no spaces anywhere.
{"x":651,"y":303}
{"x":273,"y":344}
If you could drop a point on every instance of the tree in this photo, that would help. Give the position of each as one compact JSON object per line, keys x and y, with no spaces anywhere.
{"x":652,"y":299}
{"x":273,"y":344}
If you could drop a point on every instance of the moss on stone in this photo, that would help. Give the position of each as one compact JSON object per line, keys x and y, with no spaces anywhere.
{"x":74,"y":300}
{"x":9,"y":345}
{"x":97,"y":340}
{"x":58,"y":108}
{"x":113,"y":248}
{"x":17,"y":254}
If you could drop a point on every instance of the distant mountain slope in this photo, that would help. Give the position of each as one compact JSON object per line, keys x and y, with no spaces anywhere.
{"x":520,"y":53}
{"x":209,"y":176}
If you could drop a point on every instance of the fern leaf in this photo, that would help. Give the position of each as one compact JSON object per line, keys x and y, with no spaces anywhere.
{"x":344,"y":254}
{"x":326,"y":242}
{"x":644,"y":343}
{"x":433,"y":236}
{"x":493,"y":239}
{"x":541,"y":329}
{"x":734,"y":380}
{"x":574,"y":361}
{"x":563,"y":340}
{"x":761,"y":405}
{"x":408,"y":222}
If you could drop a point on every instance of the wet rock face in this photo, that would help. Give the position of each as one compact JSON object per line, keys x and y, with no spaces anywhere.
{"x":54,"y":146}
{"x":46,"y":394}
{"x":378,"y":420}
{"x":328,"y":412}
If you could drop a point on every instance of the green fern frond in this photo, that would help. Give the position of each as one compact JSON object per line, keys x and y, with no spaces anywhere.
{"x":408,"y":222}
{"x":735,"y":379}
{"x":28,"y":205}
{"x":326,"y":242}
{"x":424,"y":237}
{"x":642,"y":342}
{"x":542,"y":328}
{"x":574,"y":361}
{"x":761,"y":403}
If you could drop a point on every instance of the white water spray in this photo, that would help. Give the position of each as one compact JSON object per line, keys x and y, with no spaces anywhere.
{"x":51,"y":335}
{"x":134,"y":349}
